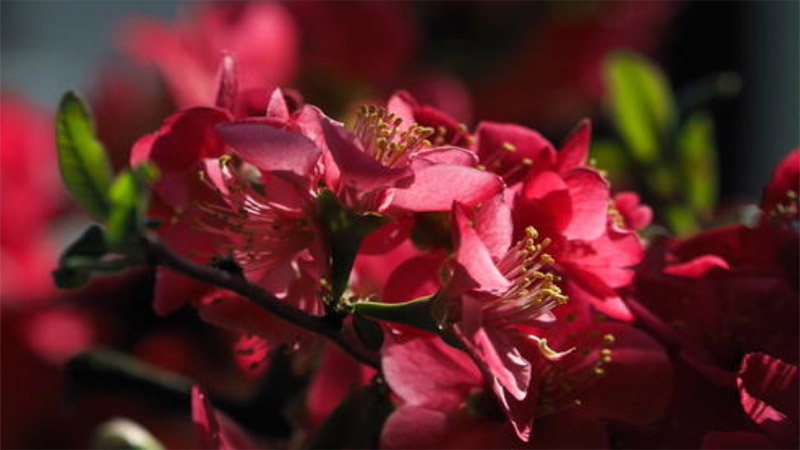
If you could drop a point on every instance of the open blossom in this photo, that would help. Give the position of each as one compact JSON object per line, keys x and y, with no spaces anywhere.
{"x":498,"y":301}
{"x":616,"y":372}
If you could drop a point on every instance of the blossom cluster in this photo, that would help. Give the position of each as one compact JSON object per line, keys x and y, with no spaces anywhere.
{"x":427,"y":283}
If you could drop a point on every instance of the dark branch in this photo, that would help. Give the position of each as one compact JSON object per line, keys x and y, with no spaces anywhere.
{"x":159,"y":254}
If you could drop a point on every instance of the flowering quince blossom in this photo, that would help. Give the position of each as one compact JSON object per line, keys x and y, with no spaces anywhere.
{"x":615,"y":372}
{"x":566,"y":200}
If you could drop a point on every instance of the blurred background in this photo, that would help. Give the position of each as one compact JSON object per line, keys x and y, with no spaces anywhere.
{"x":51,"y":46}
{"x":724,"y":76}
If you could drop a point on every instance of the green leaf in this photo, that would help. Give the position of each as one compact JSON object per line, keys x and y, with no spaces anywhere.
{"x":357,"y":421}
{"x":681,"y":219}
{"x":83,"y":163}
{"x":698,"y":162}
{"x":608,"y":156}
{"x":129,"y":197}
{"x":417,"y":313}
{"x":641,"y":103}
{"x":345,"y":230}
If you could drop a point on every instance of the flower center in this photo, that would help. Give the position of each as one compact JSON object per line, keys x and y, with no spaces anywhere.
{"x":259,"y":231}
{"x":385,"y":139}
{"x":533,"y":290}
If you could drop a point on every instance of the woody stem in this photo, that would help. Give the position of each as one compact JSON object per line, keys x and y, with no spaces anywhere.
{"x":324,"y":326}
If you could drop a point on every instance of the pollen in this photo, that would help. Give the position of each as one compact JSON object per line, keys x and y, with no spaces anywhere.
{"x":384,"y":137}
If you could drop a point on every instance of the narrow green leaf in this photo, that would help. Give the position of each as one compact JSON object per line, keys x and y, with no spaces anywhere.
{"x":641,"y":103}
{"x":357,"y":421}
{"x":129,"y":197}
{"x":698,"y":162}
{"x":417,"y":313}
{"x":84,"y":166}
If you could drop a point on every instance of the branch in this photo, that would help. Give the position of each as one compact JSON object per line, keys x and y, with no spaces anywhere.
{"x":325,"y":326}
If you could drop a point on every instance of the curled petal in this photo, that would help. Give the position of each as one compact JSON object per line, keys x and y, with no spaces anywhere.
{"x":769,"y":389}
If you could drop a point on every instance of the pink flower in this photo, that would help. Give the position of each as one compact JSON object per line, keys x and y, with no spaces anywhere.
{"x":387,"y":163}
{"x":498,"y":294}
{"x":261,"y":36}
{"x":443,"y":401}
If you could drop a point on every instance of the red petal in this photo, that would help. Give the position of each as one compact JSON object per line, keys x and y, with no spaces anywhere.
{"x":270,"y":148}
{"x":589,"y":193}
{"x":428,"y":372}
{"x":475,"y":268}
{"x":697,"y":267}
{"x":414,"y":427}
{"x":436,"y":187}
{"x":575,"y":150}
{"x":769,"y":390}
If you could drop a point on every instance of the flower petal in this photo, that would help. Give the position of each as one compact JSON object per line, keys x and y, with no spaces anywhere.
{"x":269,"y":147}
{"x":436,"y":187}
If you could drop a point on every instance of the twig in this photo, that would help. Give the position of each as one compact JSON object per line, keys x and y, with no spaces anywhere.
{"x":325,"y":326}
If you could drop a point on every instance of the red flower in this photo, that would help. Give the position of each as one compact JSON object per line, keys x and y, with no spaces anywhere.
{"x":443,"y":401}
{"x":261,"y":36}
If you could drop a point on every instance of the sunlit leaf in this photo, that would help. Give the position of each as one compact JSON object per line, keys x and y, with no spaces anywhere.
{"x":641,"y":103}
{"x":84,"y":165}
{"x":698,"y":161}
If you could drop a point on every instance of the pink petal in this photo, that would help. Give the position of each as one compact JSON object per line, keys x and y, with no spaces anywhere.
{"x":270,"y":148}
{"x":277,"y":108}
{"x":493,"y":136}
{"x":494,"y":225}
{"x":336,"y":376}
{"x":589,"y":193}
{"x":227,"y":86}
{"x":436,"y":187}
{"x":697,"y":267}
{"x":545,"y":203}
{"x":427,"y":372}
{"x":414,"y":427}
{"x":575,"y":150}
{"x":503,"y":361}
{"x":474,"y":266}
{"x":449,"y":155}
